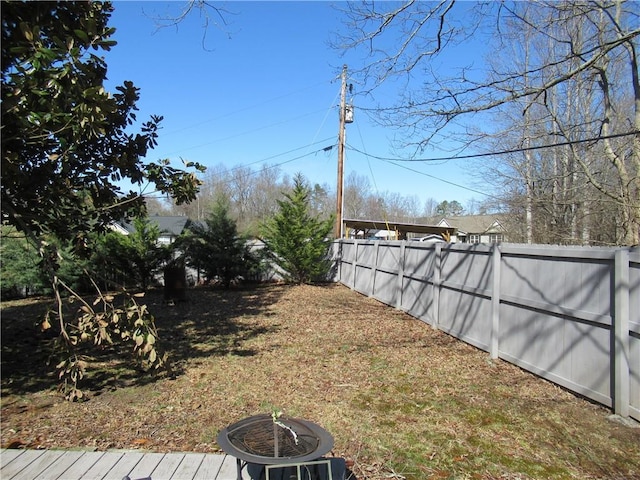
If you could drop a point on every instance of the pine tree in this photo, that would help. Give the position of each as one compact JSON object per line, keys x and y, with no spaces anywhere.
{"x":296,"y":240}
{"x":19,"y":272}
{"x":142,"y":251}
{"x":216,"y":248}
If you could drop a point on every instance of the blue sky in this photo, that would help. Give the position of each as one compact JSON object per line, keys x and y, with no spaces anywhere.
{"x":263,"y":89}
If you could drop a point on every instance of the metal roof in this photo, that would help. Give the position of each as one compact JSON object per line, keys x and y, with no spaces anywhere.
{"x":401,"y":228}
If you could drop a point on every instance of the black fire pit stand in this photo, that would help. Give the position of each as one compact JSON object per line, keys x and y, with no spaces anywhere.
{"x":281,"y":449}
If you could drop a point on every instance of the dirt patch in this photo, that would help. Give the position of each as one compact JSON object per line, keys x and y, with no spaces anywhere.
{"x":402,"y":400}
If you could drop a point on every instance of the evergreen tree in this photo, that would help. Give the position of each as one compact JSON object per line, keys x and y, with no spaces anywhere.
{"x":297,"y":240}
{"x":216,"y":248}
{"x":140,"y":250}
{"x":19,"y":271}
{"x":107,"y":257}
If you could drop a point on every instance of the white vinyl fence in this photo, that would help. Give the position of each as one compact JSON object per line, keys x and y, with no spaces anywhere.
{"x":568,"y":314}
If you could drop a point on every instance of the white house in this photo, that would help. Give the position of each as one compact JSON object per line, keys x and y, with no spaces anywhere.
{"x":476,"y":228}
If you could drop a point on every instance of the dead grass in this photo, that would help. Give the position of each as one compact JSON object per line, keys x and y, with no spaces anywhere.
{"x":401,"y":399}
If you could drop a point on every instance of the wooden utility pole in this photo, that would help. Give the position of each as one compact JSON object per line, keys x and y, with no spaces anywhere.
{"x":341,"y":142}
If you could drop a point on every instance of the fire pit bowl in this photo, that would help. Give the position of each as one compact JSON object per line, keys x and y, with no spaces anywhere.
{"x":261,"y":440}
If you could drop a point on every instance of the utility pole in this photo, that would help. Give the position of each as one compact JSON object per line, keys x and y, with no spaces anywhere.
{"x":341,"y":142}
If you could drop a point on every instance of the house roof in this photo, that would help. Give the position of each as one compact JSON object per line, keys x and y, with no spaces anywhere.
{"x":168,"y":225}
{"x":474,"y":223}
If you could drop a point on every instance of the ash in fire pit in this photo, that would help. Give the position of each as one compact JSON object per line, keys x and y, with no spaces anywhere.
{"x":265,"y":440}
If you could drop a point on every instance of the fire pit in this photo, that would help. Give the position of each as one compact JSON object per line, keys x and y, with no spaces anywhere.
{"x":266,"y":440}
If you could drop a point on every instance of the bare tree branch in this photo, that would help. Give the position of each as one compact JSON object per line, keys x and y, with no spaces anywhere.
{"x":570,"y":68}
{"x":210,"y":13}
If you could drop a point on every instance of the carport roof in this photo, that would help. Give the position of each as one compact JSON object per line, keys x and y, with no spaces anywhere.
{"x":401,"y":228}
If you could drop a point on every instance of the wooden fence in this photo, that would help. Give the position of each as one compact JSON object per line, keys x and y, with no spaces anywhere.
{"x":568,"y":314}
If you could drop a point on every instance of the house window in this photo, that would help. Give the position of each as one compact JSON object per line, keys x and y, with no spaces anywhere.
{"x":496,"y":237}
{"x":474,"y":238}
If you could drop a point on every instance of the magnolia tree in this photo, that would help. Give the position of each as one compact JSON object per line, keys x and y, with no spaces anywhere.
{"x":67,"y":144}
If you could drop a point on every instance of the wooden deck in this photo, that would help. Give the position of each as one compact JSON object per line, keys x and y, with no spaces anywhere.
{"x":114,"y":465}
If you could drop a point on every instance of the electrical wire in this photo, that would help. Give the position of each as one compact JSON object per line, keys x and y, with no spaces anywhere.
{"x":375,"y":185}
{"x":500,"y":152}
{"x":440,"y":179}
{"x":326,"y":115}
{"x":234,"y":112}
{"x":373,"y":178}
{"x":288,"y":152}
{"x":323,"y":149}
{"x":394,"y":163}
{"x":244,"y":109}
{"x":264,"y":127}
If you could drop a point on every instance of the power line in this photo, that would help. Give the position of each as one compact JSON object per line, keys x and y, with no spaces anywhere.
{"x":246,"y":132}
{"x":264,"y":127}
{"x":324,"y":149}
{"x":392,"y":162}
{"x":244,"y":109}
{"x":501,"y":152}
{"x":276,"y":165}
{"x":439,"y":179}
{"x":288,"y":152}
{"x":326,"y":115}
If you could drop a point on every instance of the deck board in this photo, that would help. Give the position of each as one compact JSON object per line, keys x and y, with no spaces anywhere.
{"x":82,"y":464}
{"x":189,"y":465}
{"x":228,"y":469}
{"x":209,"y":468}
{"x":124,"y":466}
{"x":9,"y":455}
{"x":166,"y":468}
{"x":63,"y":462}
{"x":18,"y":464}
{"x":101,"y":467}
{"x":38,"y":465}
{"x":147,"y":465}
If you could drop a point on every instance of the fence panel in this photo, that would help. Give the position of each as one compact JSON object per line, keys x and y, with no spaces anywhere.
{"x":364,"y":266}
{"x":569,"y":281}
{"x":386,"y":272}
{"x":550,"y":310}
{"x":465,"y":294}
{"x":345,"y":254}
{"x":556,"y":316}
{"x":418,"y":281}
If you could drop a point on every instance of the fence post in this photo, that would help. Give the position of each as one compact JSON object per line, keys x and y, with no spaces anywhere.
{"x":401,"y":264}
{"x":621,"y":334}
{"x":337,"y":259}
{"x":494,"y":347}
{"x":436,"y":285}
{"x":354,"y":265}
{"x":374,"y":268}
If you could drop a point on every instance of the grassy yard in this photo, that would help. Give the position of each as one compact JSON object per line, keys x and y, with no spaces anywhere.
{"x":401,"y":399}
